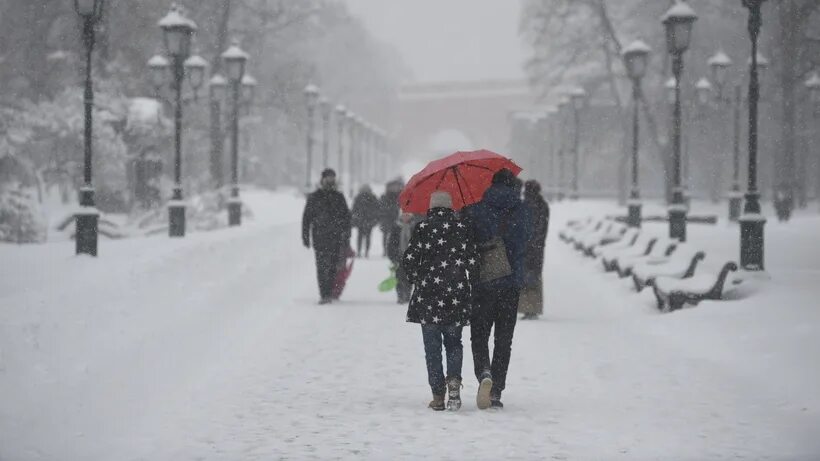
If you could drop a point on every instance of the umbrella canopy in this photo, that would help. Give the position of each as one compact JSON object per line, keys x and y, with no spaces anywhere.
{"x":465,"y":175}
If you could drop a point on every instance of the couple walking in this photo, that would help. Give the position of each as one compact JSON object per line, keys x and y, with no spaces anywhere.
{"x":468,"y":269}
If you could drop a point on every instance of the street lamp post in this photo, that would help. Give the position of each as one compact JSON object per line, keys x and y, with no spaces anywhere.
{"x":752,"y":222}
{"x":678,"y":22}
{"x":635,"y":59}
{"x":178,"y":31}
{"x":86,"y":219}
{"x":813,"y":87}
{"x":216,"y":91}
{"x":311,"y":92}
{"x":549,"y":134}
{"x":325,"y":108}
{"x":235,"y":60}
{"x":720,"y":64}
{"x":577,"y":98}
{"x":563,"y":105}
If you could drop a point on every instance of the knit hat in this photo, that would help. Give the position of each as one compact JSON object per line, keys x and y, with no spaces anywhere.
{"x":328,"y":172}
{"x":441,"y":199}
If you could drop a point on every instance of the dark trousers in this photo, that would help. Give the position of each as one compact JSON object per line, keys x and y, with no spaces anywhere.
{"x":326,"y":269}
{"x":434,"y":336}
{"x":363,"y":237}
{"x":499,"y":308}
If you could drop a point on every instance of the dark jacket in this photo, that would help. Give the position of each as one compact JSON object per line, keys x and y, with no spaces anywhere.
{"x":365,"y":212}
{"x":438,"y":261}
{"x":326,"y":219}
{"x":539,"y":211}
{"x":501,"y":201}
{"x":388,"y":209}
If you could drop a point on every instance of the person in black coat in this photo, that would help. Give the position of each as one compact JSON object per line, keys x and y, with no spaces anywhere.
{"x":389,"y":209}
{"x":327,"y":220}
{"x":499,"y":215}
{"x":532,"y":300}
{"x":441,"y":262}
{"x":365,"y":215}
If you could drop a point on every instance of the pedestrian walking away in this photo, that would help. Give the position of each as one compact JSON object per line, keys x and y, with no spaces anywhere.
{"x":500,"y":224}
{"x":326,"y":225}
{"x":440,"y":261}
{"x":531,"y":300}
{"x":397,"y":244}
{"x":389,"y":209}
{"x":365,"y":216}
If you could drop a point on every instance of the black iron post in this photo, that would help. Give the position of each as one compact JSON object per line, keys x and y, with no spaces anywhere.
{"x":634,"y":204}
{"x":576,"y":140}
{"x":735,"y":195}
{"x":86,"y":220}
{"x":235,"y":203}
{"x":176,"y":208}
{"x":216,"y":144}
{"x":752,"y":221}
{"x":677,"y":209}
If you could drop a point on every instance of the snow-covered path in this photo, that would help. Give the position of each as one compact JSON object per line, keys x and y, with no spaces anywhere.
{"x":215,"y":349}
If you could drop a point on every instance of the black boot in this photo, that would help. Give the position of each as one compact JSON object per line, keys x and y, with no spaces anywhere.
{"x":453,"y":393}
{"x":437,"y":404}
{"x":495,"y":399}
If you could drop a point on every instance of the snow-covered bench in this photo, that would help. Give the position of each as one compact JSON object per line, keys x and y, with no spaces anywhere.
{"x":659,"y":254}
{"x":642,"y":246}
{"x":627,"y":239}
{"x":573,"y":231}
{"x":680,"y":265}
{"x":612,"y":233}
{"x":672,"y":293}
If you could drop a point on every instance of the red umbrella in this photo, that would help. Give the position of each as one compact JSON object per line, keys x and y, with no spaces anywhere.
{"x":465,"y":175}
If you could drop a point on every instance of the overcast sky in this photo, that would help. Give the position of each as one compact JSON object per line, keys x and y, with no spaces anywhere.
{"x":449,"y":39}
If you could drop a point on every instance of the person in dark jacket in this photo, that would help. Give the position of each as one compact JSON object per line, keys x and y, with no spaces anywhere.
{"x":531,"y":303}
{"x":440,"y":261}
{"x":499,"y":214}
{"x":389,"y":209}
{"x":365,"y":215}
{"x":327,"y":220}
{"x":397,"y":244}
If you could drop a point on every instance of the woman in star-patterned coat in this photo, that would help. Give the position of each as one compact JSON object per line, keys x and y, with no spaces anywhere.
{"x":442,"y":263}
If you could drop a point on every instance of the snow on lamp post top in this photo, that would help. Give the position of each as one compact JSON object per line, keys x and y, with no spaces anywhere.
{"x":703,"y":89}
{"x":195,"y":66}
{"x":325,"y":106}
{"x":578,"y":97}
{"x":235,"y":60}
{"x":89,"y":9}
{"x":813,"y":85}
{"x":635,"y":56}
{"x":158,"y":67}
{"x":248,"y":87}
{"x":177,"y":32}
{"x":217,"y":86}
{"x":670,"y":89}
{"x":311,"y":92}
{"x":340,"y":111}
{"x":678,"y":21}
{"x":720,"y":64}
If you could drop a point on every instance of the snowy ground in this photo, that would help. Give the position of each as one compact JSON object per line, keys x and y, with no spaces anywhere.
{"x":212,"y":347}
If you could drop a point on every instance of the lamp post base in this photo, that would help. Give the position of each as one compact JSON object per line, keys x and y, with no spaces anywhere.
{"x":86,"y":224}
{"x":677,"y":221}
{"x":235,"y":211}
{"x":752,"y":224}
{"x":735,"y":204}
{"x":574,"y":195}
{"x":633,"y":218}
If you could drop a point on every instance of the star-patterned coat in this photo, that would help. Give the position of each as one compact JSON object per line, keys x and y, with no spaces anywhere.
{"x":441,"y":262}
